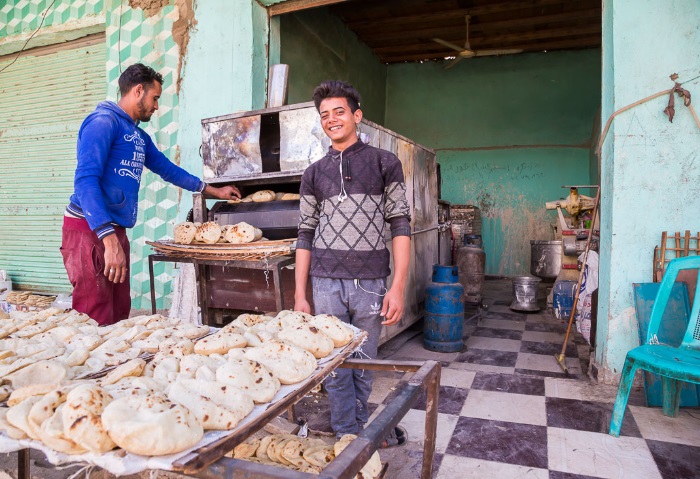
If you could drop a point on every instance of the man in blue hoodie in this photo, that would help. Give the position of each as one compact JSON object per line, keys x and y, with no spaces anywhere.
{"x":112,"y":152}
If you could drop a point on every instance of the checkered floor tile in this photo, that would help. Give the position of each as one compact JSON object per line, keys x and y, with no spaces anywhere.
{"x":506,"y":409}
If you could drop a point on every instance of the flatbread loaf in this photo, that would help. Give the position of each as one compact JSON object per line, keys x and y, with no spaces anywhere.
{"x":262,"y":196}
{"x":81,"y":418}
{"x":251,"y":377}
{"x":184,"y":232}
{"x":8,"y":428}
{"x":151,"y":425}
{"x":215,"y":405}
{"x":307,"y":337}
{"x":334,"y":328}
{"x":290,"y":196}
{"x":289,"y":363}
{"x":209,"y":232}
{"x":220,"y":343}
{"x":242,"y":233}
{"x":41,"y":372}
{"x":369,"y":470}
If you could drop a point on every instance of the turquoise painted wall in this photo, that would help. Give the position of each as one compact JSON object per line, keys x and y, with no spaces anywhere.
{"x":509,"y":132}
{"x":650,"y":166}
{"x":317,"y":46}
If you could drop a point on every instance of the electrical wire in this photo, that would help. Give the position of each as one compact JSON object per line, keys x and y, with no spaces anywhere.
{"x":43,"y":17}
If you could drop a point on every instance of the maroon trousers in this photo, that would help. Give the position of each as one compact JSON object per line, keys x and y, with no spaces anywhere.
{"x":84,"y":258}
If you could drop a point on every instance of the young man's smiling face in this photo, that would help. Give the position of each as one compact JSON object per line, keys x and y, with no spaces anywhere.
{"x":339,"y":122}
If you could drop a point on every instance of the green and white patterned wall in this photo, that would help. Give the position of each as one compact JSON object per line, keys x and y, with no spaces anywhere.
{"x":22,"y":16}
{"x":133,"y":37}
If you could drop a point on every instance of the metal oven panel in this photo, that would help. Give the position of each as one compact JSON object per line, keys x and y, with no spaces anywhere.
{"x":232,"y":148}
{"x":302,"y":140}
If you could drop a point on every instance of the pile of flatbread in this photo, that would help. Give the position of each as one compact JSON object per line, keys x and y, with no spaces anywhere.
{"x":146,"y":405}
{"x":301,"y":454}
{"x":211,"y":233}
{"x":263,"y":196}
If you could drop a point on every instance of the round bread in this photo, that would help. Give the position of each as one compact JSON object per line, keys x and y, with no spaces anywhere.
{"x":262,"y":196}
{"x":249,"y":320}
{"x":81,"y":418}
{"x":251,"y":377}
{"x":290,"y":196}
{"x":279,"y":195}
{"x":129,"y":368}
{"x":371,"y":469}
{"x":307,"y":337}
{"x":289,"y":363}
{"x":219,"y":343}
{"x":334,"y":328}
{"x":192,"y":362}
{"x":51,"y":434}
{"x":214,"y":405}
{"x":242,"y":233}
{"x":41,"y":372}
{"x":8,"y":428}
{"x":319,"y":456}
{"x":151,"y":425}
{"x":209,"y":233}
{"x":184,"y":232}
{"x":245,"y":449}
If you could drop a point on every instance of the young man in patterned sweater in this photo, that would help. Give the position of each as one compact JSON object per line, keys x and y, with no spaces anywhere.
{"x":347,"y":198}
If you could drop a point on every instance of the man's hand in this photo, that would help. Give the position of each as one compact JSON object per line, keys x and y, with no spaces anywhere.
{"x":224,"y":193}
{"x":115,"y":260}
{"x":302,"y":305}
{"x":393,"y":306}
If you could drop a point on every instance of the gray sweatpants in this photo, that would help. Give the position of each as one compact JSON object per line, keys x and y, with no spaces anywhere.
{"x":359,"y":303}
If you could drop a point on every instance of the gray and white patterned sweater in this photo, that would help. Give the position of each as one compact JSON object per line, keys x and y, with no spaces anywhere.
{"x":346,"y":238}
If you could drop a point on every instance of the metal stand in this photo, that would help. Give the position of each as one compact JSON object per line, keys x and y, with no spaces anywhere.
{"x":274,"y":265}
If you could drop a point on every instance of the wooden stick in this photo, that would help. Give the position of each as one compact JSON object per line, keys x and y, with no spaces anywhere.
{"x":655,"y":264}
{"x":677,"y":237}
{"x":686,"y":246}
{"x":664,"y":237}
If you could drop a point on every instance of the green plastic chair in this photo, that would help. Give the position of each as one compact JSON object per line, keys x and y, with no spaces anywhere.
{"x":673,"y":364}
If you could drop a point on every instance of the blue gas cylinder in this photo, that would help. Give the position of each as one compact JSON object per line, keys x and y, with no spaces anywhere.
{"x":444,"y":311}
{"x":563,"y":298}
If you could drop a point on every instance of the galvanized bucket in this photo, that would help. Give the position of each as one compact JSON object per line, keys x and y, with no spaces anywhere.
{"x":525,"y":293}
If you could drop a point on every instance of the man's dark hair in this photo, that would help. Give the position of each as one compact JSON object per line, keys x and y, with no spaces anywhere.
{"x":337,"y":89}
{"x":138,"y":74}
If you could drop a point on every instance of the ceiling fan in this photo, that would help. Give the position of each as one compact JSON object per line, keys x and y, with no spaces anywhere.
{"x":467,"y":52}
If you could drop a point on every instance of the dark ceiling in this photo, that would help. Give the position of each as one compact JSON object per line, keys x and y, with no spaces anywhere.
{"x":403,"y":30}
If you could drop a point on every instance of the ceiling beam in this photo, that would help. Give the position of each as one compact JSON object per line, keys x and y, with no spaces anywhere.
{"x":352,"y":14}
{"x":379,"y":45}
{"x":296,"y":5}
{"x":402,"y":23}
{"x":590,"y":42}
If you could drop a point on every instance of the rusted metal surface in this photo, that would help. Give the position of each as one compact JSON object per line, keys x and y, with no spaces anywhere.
{"x":232,"y":148}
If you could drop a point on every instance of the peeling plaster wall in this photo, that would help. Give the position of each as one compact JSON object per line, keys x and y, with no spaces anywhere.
{"x":318,"y":46}
{"x":509,"y":132}
{"x":650,"y":167}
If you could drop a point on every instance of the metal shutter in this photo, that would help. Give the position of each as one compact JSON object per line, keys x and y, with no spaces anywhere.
{"x":44,"y":97}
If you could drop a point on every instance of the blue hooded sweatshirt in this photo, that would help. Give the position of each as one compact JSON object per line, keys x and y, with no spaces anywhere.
{"x":112,"y":151}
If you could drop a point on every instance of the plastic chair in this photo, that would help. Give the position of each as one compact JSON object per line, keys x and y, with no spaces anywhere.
{"x":674,"y":364}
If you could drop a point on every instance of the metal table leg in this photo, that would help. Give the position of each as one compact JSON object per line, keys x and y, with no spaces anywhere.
{"x":152,"y":280}
{"x":277,"y":278}
{"x":23,"y":465}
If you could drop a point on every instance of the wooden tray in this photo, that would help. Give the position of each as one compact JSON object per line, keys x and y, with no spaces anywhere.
{"x":248,"y":251}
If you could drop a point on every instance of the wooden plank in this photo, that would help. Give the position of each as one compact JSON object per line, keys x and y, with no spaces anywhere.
{"x":296,"y":5}
{"x":405,"y":24}
{"x":277,"y":86}
{"x":664,"y":236}
{"x":677,"y":237}
{"x":398,"y":57}
{"x":351,"y":14}
{"x":686,"y":245}
{"x":456,"y":35}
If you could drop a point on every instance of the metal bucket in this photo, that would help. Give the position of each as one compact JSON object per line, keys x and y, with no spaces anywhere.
{"x":525,"y":293}
{"x":545,"y":259}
